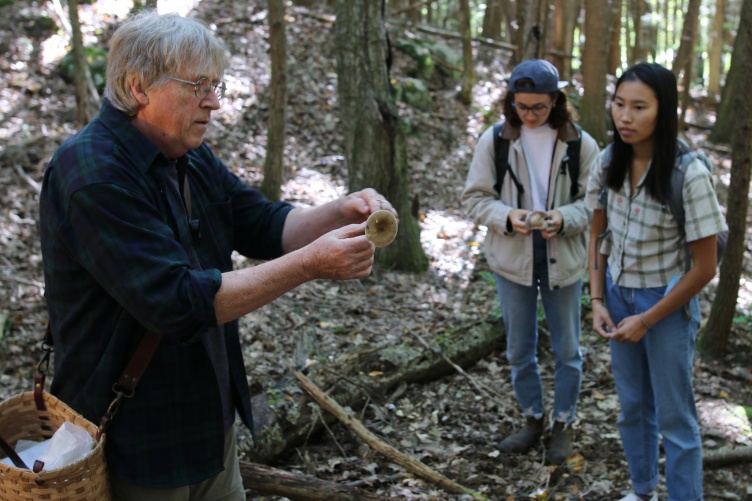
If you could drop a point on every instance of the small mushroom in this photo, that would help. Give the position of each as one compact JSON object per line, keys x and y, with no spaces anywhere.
{"x":381,"y":228}
{"x":536,"y":220}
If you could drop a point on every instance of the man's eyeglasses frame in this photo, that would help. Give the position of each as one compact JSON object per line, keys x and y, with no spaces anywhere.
{"x":203,"y":86}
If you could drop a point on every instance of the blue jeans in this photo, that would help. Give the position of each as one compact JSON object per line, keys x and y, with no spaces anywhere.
{"x":519,"y":310}
{"x":654,"y":381}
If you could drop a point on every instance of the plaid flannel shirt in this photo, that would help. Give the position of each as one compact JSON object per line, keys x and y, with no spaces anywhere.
{"x":114,"y":269}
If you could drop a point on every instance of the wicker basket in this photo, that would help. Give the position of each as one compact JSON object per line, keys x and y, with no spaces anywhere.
{"x":83,"y":480}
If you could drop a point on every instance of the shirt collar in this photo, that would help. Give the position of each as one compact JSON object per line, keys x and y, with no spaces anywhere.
{"x":142,"y":150}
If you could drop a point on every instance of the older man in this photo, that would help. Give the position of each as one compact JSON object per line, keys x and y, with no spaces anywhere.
{"x":138,"y":222}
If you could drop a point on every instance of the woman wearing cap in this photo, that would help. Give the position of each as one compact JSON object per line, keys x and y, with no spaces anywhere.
{"x":529,"y":257}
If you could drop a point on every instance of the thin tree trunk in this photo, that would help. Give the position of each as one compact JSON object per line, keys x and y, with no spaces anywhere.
{"x":714,"y":338}
{"x":275,"y":143}
{"x":594,"y":66}
{"x":726,"y":120}
{"x":687,"y":79}
{"x":80,"y":66}
{"x":636,"y":11}
{"x":716,"y":50}
{"x":468,"y":74}
{"x":564,"y":23}
{"x":614,"y":50}
{"x":684,"y":55}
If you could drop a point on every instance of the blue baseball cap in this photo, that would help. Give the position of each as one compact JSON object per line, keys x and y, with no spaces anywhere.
{"x":543,"y":75}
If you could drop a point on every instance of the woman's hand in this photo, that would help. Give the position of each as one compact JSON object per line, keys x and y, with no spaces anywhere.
{"x":630,"y":330}
{"x":602,"y":323}
{"x":517,"y":218}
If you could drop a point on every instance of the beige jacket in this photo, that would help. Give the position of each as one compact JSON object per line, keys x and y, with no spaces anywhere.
{"x":510,"y":254}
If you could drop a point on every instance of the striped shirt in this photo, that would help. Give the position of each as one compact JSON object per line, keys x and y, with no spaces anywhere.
{"x":646,"y":247}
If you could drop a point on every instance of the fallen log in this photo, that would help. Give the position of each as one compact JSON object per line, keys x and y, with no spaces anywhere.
{"x":405,"y":460}
{"x":271,"y":481}
{"x":283,"y":418}
{"x":727,"y":456}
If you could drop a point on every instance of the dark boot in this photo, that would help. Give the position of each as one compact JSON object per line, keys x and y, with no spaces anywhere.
{"x":560,"y":445}
{"x":525,"y":439}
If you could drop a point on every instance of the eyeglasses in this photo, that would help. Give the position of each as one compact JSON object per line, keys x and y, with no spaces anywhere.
{"x":203,"y":86}
{"x":538,"y":109}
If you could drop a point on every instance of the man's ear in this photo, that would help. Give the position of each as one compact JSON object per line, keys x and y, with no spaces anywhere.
{"x":138,"y":91}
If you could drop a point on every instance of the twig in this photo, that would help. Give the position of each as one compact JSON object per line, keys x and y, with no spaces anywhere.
{"x":323,"y":421}
{"x":402,"y":459}
{"x":25,"y":281}
{"x":478,"y":386}
{"x":21,"y":172}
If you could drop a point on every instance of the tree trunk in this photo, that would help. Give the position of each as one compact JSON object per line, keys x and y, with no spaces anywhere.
{"x":716,"y":50}
{"x":271,"y":481}
{"x":684,"y":55}
{"x":80,"y":66}
{"x":726,"y":456}
{"x":637,"y":8}
{"x":532,"y":45}
{"x":688,"y":71}
{"x":374,"y":140}
{"x":726,"y":120}
{"x":492,"y":19}
{"x":564,"y":21}
{"x":283,"y":419}
{"x":614,"y":50}
{"x":468,"y":74}
{"x":509,"y":13}
{"x":714,"y":338}
{"x":594,"y":66}
{"x":520,"y":33}
{"x":275,"y":143}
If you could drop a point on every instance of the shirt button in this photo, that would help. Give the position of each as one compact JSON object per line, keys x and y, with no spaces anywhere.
{"x":552,"y":261}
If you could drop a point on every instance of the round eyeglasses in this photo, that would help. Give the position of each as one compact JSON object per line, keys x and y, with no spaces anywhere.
{"x":538,"y":109}
{"x":203,"y":86}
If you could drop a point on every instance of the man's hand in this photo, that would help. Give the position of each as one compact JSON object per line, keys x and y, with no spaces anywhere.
{"x":357,"y":206}
{"x":341,"y":254}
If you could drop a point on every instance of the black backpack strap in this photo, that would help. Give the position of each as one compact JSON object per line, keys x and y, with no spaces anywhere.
{"x":501,"y":160}
{"x":573,"y":162}
{"x":501,"y":154}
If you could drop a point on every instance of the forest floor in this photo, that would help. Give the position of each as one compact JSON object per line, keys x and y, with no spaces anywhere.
{"x":448,"y":423}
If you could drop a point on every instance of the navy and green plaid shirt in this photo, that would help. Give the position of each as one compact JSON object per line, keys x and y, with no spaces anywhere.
{"x":114,"y":268}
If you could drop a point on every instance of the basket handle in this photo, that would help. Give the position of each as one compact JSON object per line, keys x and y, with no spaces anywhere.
{"x":8,"y":450}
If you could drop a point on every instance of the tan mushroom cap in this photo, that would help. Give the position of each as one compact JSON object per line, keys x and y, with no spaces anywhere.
{"x":536,"y":220}
{"x":381,"y":228}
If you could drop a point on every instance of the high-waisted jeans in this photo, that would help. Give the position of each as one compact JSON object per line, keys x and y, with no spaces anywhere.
{"x":654,"y":381}
{"x":561,"y":306}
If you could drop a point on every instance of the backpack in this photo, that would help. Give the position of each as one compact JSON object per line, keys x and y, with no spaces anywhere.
{"x":675,"y":203}
{"x":501,"y":156}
